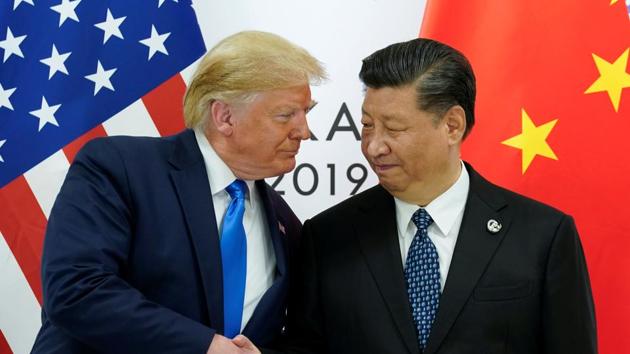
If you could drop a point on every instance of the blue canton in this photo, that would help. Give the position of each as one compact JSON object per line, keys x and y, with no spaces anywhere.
{"x":66,"y":66}
{"x":422,"y":273}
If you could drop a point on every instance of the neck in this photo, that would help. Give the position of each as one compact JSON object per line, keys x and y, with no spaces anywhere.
{"x":425,"y":193}
{"x":231,"y":158}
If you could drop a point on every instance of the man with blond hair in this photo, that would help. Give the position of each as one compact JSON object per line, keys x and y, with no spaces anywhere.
{"x":176,"y":244}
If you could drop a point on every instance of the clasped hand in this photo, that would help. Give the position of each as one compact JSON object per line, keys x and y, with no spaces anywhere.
{"x":239,"y":345}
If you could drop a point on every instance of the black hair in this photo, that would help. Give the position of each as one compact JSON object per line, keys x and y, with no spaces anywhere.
{"x":442,"y":75}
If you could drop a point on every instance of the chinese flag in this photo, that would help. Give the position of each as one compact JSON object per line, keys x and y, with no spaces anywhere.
{"x":553,"y":122}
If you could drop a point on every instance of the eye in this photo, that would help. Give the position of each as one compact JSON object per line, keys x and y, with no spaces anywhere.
{"x":310,"y":107}
{"x":286,"y":115}
{"x":366,"y":124}
{"x":395,"y":129}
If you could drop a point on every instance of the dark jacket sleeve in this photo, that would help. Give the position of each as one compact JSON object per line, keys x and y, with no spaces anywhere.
{"x":305,"y":321}
{"x":87,"y":243}
{"x":568,"y":310}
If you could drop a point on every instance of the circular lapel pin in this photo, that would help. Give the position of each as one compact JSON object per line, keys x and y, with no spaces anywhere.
{"x":493,"y":226}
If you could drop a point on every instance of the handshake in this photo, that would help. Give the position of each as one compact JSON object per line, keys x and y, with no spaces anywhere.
{"x":239,"y":345}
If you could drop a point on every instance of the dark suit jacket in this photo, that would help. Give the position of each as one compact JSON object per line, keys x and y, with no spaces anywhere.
{"x":132,"y":261}
{"x":523,"y":290}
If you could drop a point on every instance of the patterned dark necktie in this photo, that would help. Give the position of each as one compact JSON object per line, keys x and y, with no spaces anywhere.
{"x":234,"y":259}
{"x":422,"y":273}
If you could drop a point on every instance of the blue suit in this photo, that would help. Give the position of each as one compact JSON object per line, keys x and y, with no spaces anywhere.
{"x":132,"y":260}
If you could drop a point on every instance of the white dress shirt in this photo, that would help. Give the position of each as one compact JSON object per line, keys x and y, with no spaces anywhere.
{"x":447,"y":211}
{"x":261,"y":257}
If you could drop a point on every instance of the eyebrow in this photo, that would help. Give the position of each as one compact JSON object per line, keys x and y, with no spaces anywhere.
{"x":311,"y":105}
{"x":386,"y":117}
{"x":279,"y":109}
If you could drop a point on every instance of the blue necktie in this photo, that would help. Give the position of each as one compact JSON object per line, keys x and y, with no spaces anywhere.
{"x":234,"y":259}
{"x":422,"y":273}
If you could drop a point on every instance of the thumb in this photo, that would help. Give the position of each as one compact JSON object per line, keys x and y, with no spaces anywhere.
{"x":243,"y":342}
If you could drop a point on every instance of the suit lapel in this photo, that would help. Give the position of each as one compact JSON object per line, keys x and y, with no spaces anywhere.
{"x":260,"y":327}
{"x":473,"y":251}
{"x":278,"y":237}
{"x":378,"y":239}
{"x":190,"y":179}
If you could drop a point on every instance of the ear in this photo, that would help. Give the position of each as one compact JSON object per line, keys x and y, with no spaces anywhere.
{"x":455,"y":122}
{"x":221,"y":117}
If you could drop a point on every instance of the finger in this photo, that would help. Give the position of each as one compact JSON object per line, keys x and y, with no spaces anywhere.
{"x":241,"y":341}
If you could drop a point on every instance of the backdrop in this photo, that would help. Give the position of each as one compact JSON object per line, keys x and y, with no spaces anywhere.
{"x":552,"y":116}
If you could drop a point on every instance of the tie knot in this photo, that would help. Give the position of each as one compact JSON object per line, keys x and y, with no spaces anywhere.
{"x":422,"y":219}
{"x":237,"y":189}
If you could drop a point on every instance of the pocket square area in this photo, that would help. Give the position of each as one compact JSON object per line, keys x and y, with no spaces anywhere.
{"x":503,"y":292}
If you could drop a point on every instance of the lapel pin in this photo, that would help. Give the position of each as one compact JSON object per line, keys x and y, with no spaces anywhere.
{"x":494,"y":226}
{"x":281,"y":227}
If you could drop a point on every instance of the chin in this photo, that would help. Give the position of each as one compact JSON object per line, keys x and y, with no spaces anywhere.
{"x":283,"y":167}
{"x":391,"y":186}
{"x":289,"y":166}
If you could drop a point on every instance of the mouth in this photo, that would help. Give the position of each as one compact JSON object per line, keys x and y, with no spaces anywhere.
{"x":380,"y":168}
{"x":290,"y":153}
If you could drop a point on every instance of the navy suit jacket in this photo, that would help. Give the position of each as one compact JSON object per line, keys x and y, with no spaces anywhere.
{"x":523,"y":289}
{"x":132,"y":261}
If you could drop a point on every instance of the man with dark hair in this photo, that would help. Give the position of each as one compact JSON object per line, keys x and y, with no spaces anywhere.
{"x":435,"y":259}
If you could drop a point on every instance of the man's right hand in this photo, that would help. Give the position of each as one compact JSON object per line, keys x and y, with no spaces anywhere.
{"x":223,"y":345}
{"x":245,"y":344}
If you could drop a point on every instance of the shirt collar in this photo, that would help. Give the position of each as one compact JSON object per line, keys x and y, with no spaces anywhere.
{"x":219,"y":174}
{"x":444,"y":209}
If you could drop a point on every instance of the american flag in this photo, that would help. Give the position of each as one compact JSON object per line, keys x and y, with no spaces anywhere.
{"x":72,"y":70}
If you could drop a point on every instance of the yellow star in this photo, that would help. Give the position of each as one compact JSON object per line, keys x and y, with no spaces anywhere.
{"x":532,"y":140}
{"x":612,"y":2}
{"x":613,"y":78}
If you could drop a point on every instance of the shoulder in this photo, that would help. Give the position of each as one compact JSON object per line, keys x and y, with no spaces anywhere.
{"x":497,"y":197}
{"x":125,"y":162}
{"x":132,"y":147}
{"x":375,"y":196}
{"x":528,"y":205}
{"x":140,"y":154}
{"x":525,"y":207}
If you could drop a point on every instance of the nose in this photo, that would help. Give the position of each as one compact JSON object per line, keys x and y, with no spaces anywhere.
{"x":375,"y":146}
{"x":301,"y":130}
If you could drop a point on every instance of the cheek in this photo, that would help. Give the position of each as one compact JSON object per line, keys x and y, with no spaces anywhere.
{"x":423,"y":166}
{"x":409,"y":157}
{"x":366,"y":140}
{"x":364,"y":144}
{"x":278,"y":136}
{"x":265,"y":141}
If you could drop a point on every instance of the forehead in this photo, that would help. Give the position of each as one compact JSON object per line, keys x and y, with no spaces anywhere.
{"x":390,"y":102}
{"x":291,"y":96}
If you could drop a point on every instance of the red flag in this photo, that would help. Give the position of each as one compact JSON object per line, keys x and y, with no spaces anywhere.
{"x":553,"y":116}
{"x":4,"y":346}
